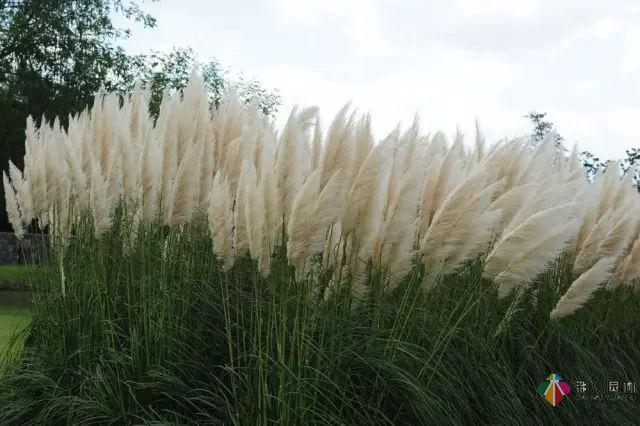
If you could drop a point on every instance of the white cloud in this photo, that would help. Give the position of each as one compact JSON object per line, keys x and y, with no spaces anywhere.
{"x":451,"y":60}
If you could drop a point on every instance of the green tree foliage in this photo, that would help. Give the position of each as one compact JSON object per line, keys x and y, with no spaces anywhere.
{"x":56,"y":54}
{"x":541,"y":128}
{"x":591,"y":163}
{"x":171,"y":70}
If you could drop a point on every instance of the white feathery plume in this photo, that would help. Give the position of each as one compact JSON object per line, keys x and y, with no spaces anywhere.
{"x":23,"y":192}
{"x":227,"y":124}
{"x":220,"y":216}
{"x":290,"y":162}
{"x":615,"y":241}
{"x":100,"y":201}
{"x":607,"y":183}
{"x":167,"y":135}
{"x":427,"y":200}
{"x":549,"y":195}
{"x":574,"y":160}
{"x":207,"y":167}
{"x":625,"y":193}
{"x":150,"y":179}
{"x":541,"y":162}
{"x":325,"y":214}
{"x":453,"y":210}
{"x":400,"y":214}
{"x":512,"y":200}
{"x":272,"y":213}
{"x":364,"y":188}
{"x":363,"y":143}
{"x":62,"y":216}
{"x":240,"y":234}
{"x":36,"y":164}
{"x":316,"y":145}
{"x":78,"y":177}
{"x":339,"y":150}
{"x":530,"y":232}
{"x":114,"y":170}
{"x":589,"y":248}
{"x":525,"y":266}
{"x":312,"y":214}
{"x":400,"y":258}
{"x":583,"y":288}
{"x":55,"y":168}
{"x":448,"y":176}
{"x":261,"y":230}
{"x":461,"y":227}
{"x":300,"y":225}
{"x":232,"y":165}
{"x":629,"y":268}
{"x":254,"y":214}
{"x":11,"y":205}
{"x":183,"y":193}
{"x":480,"y":143}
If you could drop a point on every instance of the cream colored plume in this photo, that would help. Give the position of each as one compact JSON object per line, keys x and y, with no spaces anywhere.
{"x":291,"y":167}
{"x":510,"y":202}
{"x":538,"y":240}
{"x":365,"y":187}
{"x":462,"y":227}
{"x":73,"y":158}
{"x":13,"y":211}
{"x":241,"y":233}
{"x":254,"y":215}
{"x":312,"y":214}
{"x":396,"y":236}
{"x":183,"y":198}
{"x":527,"y":265}
{"x":220,"y":217}
{"x":629,"y":268}
{"x":23,"y":192}
{"x":100,"y":202}
{"x":339,"y":148}
{"x":583,"y":288}
{"x":150,"y":180}
{"x":340,"y":197}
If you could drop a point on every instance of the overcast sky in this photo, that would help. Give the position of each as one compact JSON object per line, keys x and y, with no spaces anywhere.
{"x":451,"y":61}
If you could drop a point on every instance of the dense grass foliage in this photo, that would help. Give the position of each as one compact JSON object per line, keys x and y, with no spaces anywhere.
{"x":209,"y":269}
{"x":164,"y":333}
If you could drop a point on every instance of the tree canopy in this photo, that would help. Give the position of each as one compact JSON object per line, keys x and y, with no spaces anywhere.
{"x":592,"y":164}
{"x":171,"y":70}
{"x":56,"y":54}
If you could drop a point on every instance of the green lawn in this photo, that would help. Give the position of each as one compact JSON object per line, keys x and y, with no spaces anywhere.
{"x":14,"y":315}
{"x":14,"y":312}
{"x":20,"y":272}
{"x":10,"y":321}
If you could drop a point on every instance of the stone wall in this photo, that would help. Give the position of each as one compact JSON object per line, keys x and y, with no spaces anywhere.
{"x":33,"y":249}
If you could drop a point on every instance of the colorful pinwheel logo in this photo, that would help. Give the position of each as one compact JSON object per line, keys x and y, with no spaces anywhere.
{"x":554,"y":389}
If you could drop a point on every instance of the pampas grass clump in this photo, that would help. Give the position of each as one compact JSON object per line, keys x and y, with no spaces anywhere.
{"x":209,"y":225}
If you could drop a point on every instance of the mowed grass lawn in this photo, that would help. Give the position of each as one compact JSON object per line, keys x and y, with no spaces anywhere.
{"x":14,"y":305}
{"x":11,"y":320}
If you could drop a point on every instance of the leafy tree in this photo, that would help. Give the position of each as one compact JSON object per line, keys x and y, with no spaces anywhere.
{"x":633,"y":162}
{"x":541,"y":128}
{"x":591,"y":163}
{"x":56,"y":54}
{"x":172,"y":70}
